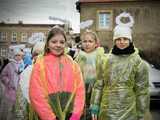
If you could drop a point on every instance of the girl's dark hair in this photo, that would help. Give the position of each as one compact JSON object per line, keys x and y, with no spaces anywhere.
{"x":54,"y":31}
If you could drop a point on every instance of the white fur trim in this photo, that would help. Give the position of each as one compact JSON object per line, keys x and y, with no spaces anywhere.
{"x":124,"y":14}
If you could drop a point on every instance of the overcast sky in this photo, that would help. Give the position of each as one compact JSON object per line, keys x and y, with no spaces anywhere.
{"x":38,"y":11}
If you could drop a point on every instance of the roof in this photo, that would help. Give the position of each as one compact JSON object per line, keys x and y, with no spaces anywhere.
{"x":102,"y":1}
{"x":28,"y":25}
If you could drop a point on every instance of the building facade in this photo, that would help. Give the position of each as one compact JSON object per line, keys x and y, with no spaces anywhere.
{"x":146,"y":29}
{"x":13,"y":34}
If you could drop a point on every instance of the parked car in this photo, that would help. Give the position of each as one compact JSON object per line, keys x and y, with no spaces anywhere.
{"x":154,"y":81}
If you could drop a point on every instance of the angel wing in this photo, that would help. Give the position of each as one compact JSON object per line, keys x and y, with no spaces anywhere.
{"x":86,"y":24}
{"x":36,"y":37}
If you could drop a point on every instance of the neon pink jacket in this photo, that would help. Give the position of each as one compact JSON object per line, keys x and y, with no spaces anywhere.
{"x":62,"y":74}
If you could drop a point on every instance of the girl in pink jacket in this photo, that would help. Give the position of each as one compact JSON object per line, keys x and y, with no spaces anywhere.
{"x":56,"y":87}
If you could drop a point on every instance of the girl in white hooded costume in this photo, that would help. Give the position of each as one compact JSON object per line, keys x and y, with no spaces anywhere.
{"x":23,"y":109}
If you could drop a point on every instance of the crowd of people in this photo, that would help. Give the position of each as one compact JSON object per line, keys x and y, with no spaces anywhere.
{"x":88,"y":85}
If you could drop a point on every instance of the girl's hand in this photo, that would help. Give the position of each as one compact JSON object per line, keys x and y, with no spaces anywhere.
{"x":94,"y":117}
{"x":74,"y":117}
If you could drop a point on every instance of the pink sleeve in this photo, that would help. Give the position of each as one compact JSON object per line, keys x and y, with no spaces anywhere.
{"x":80,"y":93}
{"x":38,"y":98}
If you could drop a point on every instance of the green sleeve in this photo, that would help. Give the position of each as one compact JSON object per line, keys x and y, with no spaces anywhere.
{"x":98,"y":86}
{"x":142,"y":89}
{"x":81,"y":60}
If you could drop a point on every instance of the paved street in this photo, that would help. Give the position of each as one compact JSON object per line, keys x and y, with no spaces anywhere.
{"x":155,"y":110}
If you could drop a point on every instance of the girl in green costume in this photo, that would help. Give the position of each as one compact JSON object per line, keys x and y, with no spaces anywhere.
{"x":122,"y":90}
{"x":88,"y":58}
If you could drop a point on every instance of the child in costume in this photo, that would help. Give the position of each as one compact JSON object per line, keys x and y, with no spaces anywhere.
{"x":56,"y":86}
{"x":10,"y":77}
{"x":88,"y":59}
{"x":23,"y":109}
{"x":122,"y":90}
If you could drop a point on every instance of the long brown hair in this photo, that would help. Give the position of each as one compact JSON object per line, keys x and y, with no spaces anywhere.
{"x":54,"y":31}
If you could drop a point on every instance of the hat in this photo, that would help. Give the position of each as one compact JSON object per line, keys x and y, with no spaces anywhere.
{"x":17,"y":51}
{"x":123,"y":29}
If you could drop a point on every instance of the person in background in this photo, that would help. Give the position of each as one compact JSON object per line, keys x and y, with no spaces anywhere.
{"x":27,"y":57}
{"x":23,"y":109}
{"x":57,"y":81}
{"x":10,"y":77}
{"x":1,"y":85}
{"x":88,"y":59}
{"x":4,"y":62}
{"x":122,"y":90}
{"x":73,"y":52}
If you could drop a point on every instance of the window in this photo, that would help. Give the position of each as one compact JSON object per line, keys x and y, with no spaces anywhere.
{"x":104,"y":20}
{"x":3,"y":52}
{"x":14,"y":36}
{"x":3,"y":36}
{"x":24,"y":37}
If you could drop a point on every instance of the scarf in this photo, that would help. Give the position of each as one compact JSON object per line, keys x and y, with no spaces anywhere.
{"x":129,"y":50}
